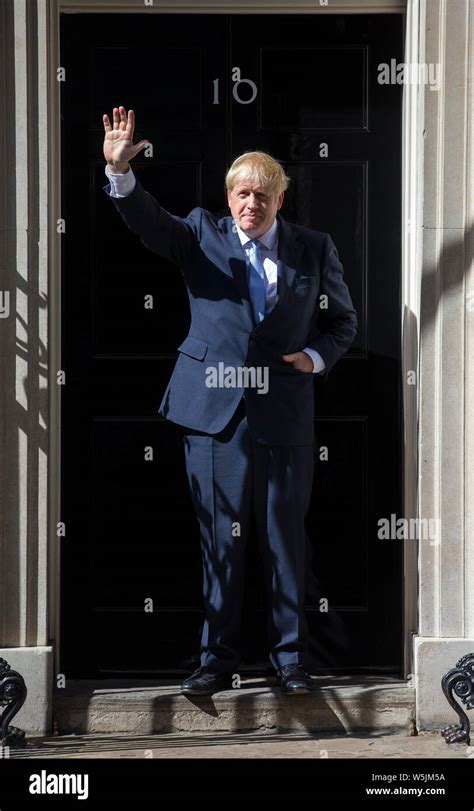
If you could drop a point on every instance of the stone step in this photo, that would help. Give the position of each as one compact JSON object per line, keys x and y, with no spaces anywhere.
{"x":339,"y":704}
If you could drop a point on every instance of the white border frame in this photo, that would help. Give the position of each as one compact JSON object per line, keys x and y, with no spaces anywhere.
{"x":412,"y":203}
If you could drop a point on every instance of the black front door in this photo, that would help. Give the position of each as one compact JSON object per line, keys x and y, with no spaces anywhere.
{"x":206,"y":88}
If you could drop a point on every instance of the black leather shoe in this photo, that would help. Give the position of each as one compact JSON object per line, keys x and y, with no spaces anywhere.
{"x":204,"y":682}
{"x":293,"y":680}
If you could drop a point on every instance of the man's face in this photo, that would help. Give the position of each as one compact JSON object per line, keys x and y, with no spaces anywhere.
{"x":253,"y":207}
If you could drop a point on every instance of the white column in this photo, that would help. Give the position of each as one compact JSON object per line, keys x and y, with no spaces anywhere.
{"x":24,"y":366}
{"x":446,"y":568}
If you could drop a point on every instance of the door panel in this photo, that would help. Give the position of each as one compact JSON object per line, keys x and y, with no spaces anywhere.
{"x":203,"y":92}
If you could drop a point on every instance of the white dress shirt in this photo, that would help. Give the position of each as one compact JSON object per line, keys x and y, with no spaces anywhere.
{"x":122,"y":184}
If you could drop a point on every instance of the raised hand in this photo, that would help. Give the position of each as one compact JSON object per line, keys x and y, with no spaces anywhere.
{"x":118,"y":140}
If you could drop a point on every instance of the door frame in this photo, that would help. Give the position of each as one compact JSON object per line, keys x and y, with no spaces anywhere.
{"x":412,"y":207}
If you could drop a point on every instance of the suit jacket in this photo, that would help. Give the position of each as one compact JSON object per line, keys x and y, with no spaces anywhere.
{"x":223,"y":330}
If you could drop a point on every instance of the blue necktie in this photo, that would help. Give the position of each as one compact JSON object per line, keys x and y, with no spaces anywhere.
{"x":257,"y":281}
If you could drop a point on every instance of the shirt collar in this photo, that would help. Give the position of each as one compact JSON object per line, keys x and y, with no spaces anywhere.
{"x":269,"y":238}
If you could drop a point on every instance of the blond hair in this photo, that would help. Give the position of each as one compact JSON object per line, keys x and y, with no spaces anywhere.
{"x":258,"y":167}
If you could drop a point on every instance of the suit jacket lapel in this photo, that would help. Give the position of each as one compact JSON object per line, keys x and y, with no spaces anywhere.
{"x":237,"y":267}
{"x":289,"y":252}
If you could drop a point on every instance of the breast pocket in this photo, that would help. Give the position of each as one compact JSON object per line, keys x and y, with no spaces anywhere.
{"x":303,"y":286}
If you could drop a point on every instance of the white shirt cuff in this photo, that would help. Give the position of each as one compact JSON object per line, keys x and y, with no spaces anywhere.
{"x":121,"y":184}
{"x":318,"y":363}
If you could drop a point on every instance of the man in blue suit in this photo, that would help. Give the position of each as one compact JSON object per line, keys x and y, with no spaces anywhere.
{"x":269,"y":309}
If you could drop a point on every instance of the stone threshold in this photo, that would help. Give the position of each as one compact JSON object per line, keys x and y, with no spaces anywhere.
{"x":339,"y":704}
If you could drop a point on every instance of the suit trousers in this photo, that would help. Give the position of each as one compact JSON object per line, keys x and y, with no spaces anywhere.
{"x":229,"y":474}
